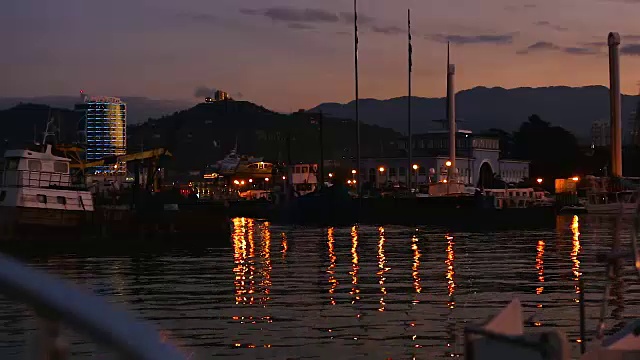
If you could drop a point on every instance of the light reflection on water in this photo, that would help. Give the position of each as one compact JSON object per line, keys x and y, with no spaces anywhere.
{"x":379,"y":292}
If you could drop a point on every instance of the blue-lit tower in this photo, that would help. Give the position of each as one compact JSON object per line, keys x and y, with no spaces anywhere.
{"x":105,"y":127}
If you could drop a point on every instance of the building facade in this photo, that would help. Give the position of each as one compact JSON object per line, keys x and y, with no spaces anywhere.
{"x":600,"y":133}
{"x":478,"y":162}
{"x":105,"y":127}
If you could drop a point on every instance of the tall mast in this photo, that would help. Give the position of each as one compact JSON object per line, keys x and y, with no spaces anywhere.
{"x":615,"y":105}
{"x":451,"y":116}
{"x":355,"y":43}
{"x":409,"y":142}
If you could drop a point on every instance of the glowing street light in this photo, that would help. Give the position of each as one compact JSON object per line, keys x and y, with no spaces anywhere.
{"x":448,"y":163}
{"x":284,"y":178}
{"x":575,"y":178}
{"x":353,"y":171}
{"x":381,"y":169}
{"x":236,"y":182}
{"x":330,"y":175}
{"x":242,"y":182}
{"x":250,"y":180}
{"x":539,"y":180}
{"x":266,"y":179}
{"x":415,"y":166}
{"x":349,"y":182}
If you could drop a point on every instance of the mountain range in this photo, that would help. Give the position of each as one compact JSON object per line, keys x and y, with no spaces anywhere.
{"x":481,"y":108}
{"x":139,"y":109}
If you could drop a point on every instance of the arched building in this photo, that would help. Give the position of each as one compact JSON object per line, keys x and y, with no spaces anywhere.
{"x":478,"y":161}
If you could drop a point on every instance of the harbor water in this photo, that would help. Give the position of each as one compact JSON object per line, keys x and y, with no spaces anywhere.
{"x":290,"y":292}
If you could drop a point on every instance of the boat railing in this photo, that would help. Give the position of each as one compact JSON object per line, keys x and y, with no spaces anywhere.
{"x":28,"y":178}
{"x":55,"y":300}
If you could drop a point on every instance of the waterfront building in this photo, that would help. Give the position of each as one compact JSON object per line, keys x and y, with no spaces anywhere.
{"x":478,"y":161}
{"x":105,"y":130}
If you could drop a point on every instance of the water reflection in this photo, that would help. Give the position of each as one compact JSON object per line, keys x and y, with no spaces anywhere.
{"x":382,"y":269}
{"x":451,"y":284}
{"x":416,"y":265}
{"x":239,"y":258}
{"x":333,"y":282}
{"x":285,"y":246}
{"x":575,"y":250}
{"x":265,"y":284}
{"x":355,"y":291}
{"x":540,"y":267}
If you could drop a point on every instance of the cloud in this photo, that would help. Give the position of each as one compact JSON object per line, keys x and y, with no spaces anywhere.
{"x":595,"y":44}
{"x":550,"y":26}
{"x":203,"y":91}
{"x":388,"y":30}
{"x":295,"y":15}
{"x":306,"y":18}
{"x":630,"y":49}
{"x":200,"y":18}
{"x":299,"y":26}
{"x":238,"y":95}
{"x":549,"y":46}
{"x":630,"y":36}
{"x":516,"y":8}
{"x":502,"y":39}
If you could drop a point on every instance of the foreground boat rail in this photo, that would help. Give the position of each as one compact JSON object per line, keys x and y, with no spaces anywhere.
{"x":56,"y":300}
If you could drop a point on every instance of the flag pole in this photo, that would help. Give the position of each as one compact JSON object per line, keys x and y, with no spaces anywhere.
{"x":355,"y":32}
{"x":409,"y":142}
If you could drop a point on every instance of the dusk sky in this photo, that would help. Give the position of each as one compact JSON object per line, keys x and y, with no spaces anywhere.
{"x":290,"y":54}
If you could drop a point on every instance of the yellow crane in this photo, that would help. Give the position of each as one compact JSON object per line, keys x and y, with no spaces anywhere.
{"x":111,"y":160}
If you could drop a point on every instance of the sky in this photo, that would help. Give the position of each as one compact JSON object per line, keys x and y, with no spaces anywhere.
{"x":293,"y":54}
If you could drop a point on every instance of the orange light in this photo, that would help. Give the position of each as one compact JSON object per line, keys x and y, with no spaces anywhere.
{"x":539,"y":180}
{"x":353,"y":171}
{"x":250,"y":180}
{"x":236,"y":182}
{"x":415,"y":167}
{"x":242,"y":182}
{"x":575,"y":178}
{"x":381,"y":169}
{"x":444,"y":181}
{"x":266,"y":179}
{"x":354,"y":181}
{"x":448,"y":163}
{"x":349,"y":182}
{"x":284,"y":178}
{"x":330,"y":175}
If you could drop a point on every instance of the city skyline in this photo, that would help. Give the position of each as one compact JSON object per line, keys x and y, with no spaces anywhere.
{"x":287,"y":54}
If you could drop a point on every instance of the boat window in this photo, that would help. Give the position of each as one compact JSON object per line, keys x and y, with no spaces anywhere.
{"x":42,"y":199}
{"x":12,"y":164}
{"x":35,"y":165}
{"x":3,"y":195}
{"x":296,"y":170}
{"x":60,"y":167}
{"x":305,"y":169}
{"x":61,"y":200}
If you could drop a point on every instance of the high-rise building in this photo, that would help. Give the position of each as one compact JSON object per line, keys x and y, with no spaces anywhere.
{"x":105,"y":127}
{"x":600,"y":133}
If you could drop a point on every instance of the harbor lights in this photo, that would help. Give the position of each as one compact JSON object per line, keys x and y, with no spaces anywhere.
{"x":539,"y":180}
{"x":415,"y":171}
{"x":353,"y":172}
{"x":448,"y":163}
{"x":266,"y":179}
{"x":242,"y":182}
{"x":330,"y":175}
{"x":575,"y":178}
{"x":381,"y":169}
{"x":236,"y":182}
{"x":250,"y":180}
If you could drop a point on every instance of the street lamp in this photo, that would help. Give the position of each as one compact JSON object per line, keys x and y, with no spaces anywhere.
{"x":330,"y":175}
{"x":448,"y":163}
{"x":381,"y":169}
{"x":539,"y":180}
{"x":353,"y":171}
{"x":415,"y":170}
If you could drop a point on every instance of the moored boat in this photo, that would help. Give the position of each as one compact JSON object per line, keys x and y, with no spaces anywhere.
{"x":36,"y":196}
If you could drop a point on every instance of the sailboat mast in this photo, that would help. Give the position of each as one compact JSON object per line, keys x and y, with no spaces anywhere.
{"x":409,"y":141}
{"x":355,"y":32}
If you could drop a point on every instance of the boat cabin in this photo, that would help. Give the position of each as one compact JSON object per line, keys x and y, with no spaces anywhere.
{"x":26,"y":168}
{"x":41,"y":180}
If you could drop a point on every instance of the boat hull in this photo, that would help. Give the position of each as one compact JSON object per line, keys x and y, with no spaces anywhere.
{"x":612,"y":209}
{"x":29,"y":223}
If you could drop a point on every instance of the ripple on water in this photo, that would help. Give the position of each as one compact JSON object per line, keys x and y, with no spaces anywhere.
{"x":367,"y":292}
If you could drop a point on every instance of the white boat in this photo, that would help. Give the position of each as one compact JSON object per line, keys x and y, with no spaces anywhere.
{"x":613,"y":203}
{"x":36,"y":194}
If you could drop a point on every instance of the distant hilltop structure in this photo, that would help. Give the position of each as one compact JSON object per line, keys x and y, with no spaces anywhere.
{"x":219,"y":95}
